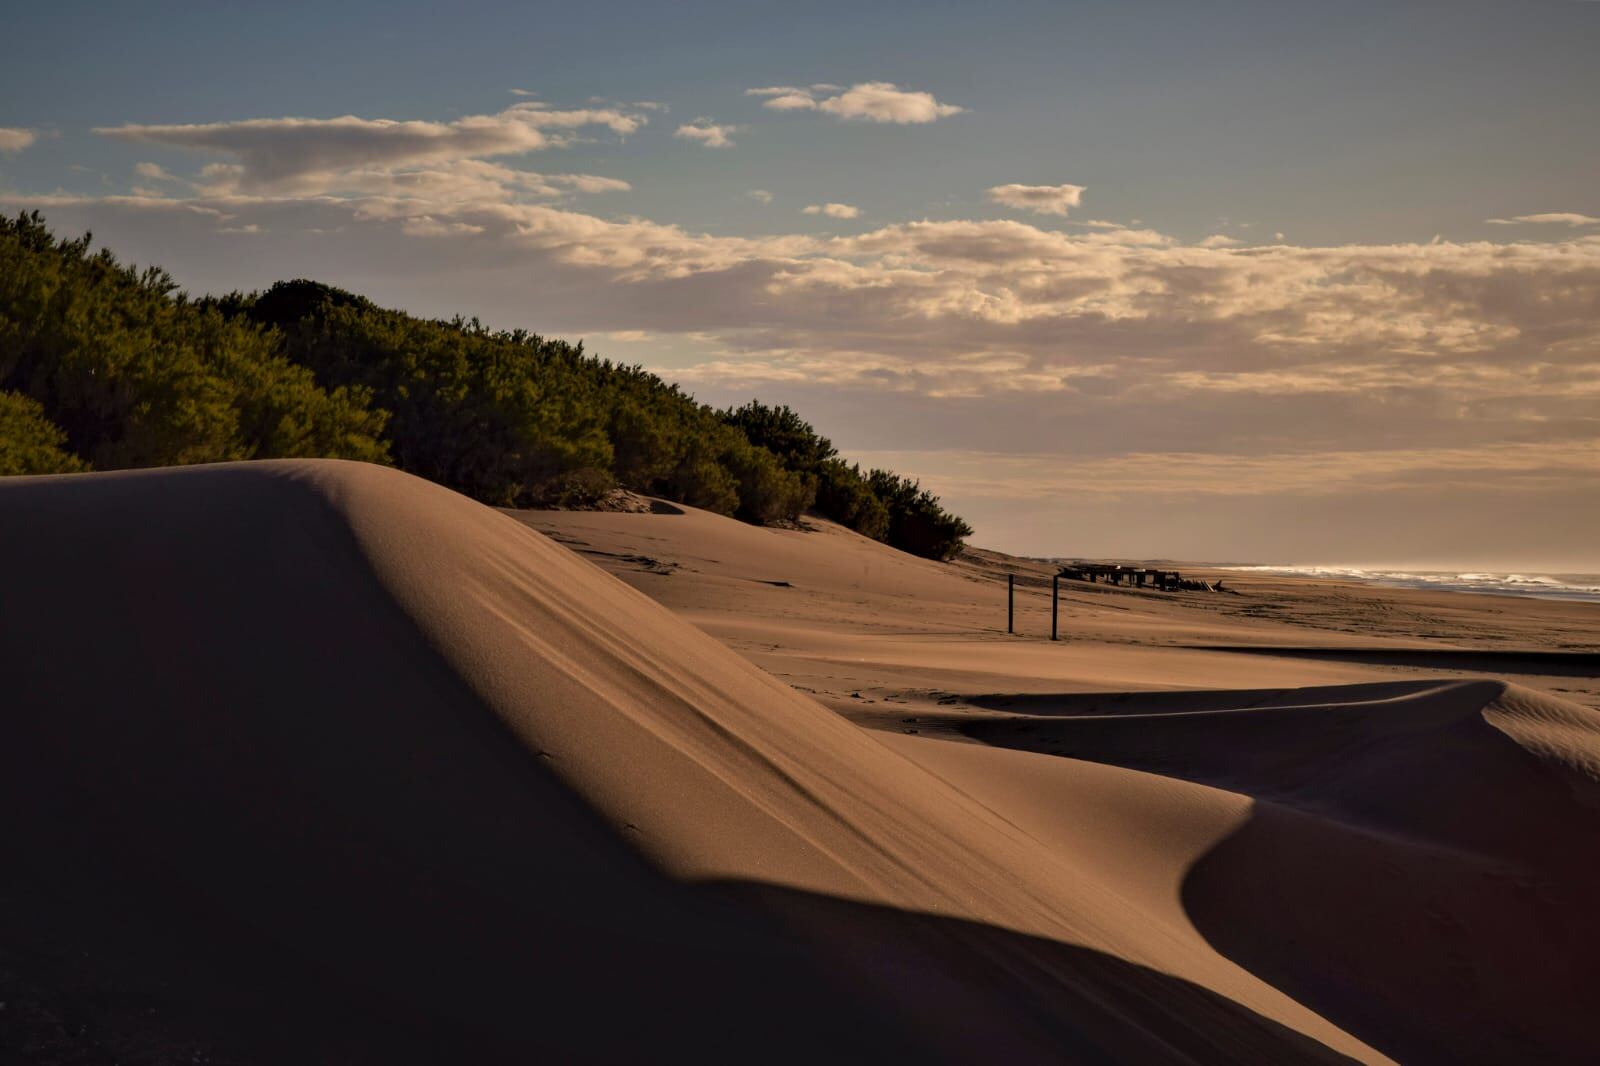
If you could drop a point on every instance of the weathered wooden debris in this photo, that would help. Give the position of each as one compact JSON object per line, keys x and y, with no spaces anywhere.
{"x":1133,"y":576}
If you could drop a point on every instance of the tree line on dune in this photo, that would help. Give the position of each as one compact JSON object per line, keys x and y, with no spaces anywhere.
{"x":103,"y":366}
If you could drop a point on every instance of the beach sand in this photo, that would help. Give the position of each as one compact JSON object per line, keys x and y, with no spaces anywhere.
{"x":319,"y":762}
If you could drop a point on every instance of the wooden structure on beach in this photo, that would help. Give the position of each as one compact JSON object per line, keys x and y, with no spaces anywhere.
{"x":1112,"y":574}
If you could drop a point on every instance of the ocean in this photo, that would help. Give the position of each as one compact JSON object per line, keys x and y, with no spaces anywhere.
{"x":1539,"y":586}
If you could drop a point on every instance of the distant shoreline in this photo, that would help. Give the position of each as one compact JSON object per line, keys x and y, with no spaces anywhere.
{"x":1583,"y":588}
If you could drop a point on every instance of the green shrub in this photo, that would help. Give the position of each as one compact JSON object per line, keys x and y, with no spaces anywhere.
{"x":576,"y":489}
{"x":844,"y":496}
{"x":136,"y":374}
{"x":29,"y":442}
{"x":783,"y":433}
{"x":917,"y":522}
{"x":767,"y":492}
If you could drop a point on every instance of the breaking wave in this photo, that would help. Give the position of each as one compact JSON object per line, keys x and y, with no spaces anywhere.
{"x":1540,"y":586}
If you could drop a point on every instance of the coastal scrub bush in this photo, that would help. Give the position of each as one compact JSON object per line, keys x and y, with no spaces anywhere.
{"x":917,"y":522}
{"x":844,"y":496}
{"x":136,"y":374}
{"x":29,"y":442}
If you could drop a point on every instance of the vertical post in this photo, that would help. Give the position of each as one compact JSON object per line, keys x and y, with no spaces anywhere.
{"x":1011,"y":603}
{"x":1055,"y":603}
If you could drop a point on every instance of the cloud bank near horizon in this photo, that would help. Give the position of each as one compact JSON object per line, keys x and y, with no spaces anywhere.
{"x":1550,"y":218}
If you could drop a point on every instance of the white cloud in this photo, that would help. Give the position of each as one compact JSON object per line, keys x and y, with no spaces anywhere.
{"x":428,"y":226}
{"x":585,"y":183}
{"x":153,"y":172}
{"x":459,"y":181}
{"x":881,"y":101}
{"x":710,"y":134}
{"x":14,"y":139}
{"x":1040,"y":199}
{"x":279,"y":153}
{"x":800,"y":101}
{"x":760,"y":196}
{"x":357,"y":159}
{"x":869,"y":101}
{"x":1553,"y":218}
{"x":1219,"y":240}
{"x":832,"y":210}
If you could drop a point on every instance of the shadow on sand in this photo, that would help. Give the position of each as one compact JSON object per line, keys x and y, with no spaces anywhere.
{"x":1408,"y":871}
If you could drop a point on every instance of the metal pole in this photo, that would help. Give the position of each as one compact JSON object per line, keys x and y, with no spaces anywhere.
{"x":1055,"y":604}
{"x":1011,"y":603}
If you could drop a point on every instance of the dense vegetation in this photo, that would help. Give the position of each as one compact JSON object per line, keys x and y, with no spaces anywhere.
{"x":105,"y":366}
{"x":29,"y":442}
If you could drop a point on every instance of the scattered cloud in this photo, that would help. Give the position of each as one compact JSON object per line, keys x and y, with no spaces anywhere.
{"x":428,"y":226}
{"x":589,"y":183}
{"x":1116,"y":340}
{"x":760,"y":196}
{"x":1040,"y":199}
{"x":15,"y":139}
{"x":1553,"y":218}
{"x":153,"y":172}
{"x":279,"y":154}
{"x":786,"y":97}
{"x":462,"y":181}
{"x":868,"y":101}
{"x":1219,"y":240}
{"x":710,"y":134}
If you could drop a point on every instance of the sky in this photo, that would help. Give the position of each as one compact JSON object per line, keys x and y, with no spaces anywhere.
{"x":1257,"y":282}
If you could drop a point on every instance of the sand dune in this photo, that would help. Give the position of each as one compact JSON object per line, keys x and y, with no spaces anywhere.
{"x":318,"y":761}
{"x":1418,"y":844}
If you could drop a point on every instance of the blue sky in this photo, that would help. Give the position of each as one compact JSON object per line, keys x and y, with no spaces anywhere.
{"x":1246,"y":266}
